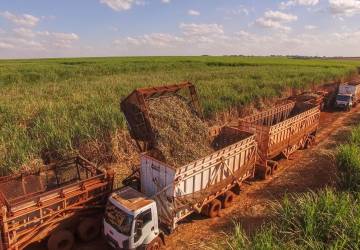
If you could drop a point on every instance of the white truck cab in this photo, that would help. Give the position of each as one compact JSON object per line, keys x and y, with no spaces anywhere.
{"x":131,"y":220}
{"x":344,"y":101}
{"x":348,"y":95}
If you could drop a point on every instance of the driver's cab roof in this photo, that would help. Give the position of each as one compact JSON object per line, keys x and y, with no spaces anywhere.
{"x":131,"y":198}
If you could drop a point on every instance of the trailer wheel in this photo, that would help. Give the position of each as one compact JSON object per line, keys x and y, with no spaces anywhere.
{"x":274,"y":168}
{"x":228,"y":199}
{"x":155,"y":244}
{"x":214,"y":208}
{"x":308,"y":143}
{"x":322,"y":106}
{"x":61,"y":240}
{"x":264,"y":173}
{"x":88,"y":229}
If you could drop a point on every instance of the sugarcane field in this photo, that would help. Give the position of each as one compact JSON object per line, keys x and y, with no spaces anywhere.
{"x":167,"y":124}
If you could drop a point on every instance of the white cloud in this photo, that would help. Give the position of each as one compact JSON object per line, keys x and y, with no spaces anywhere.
{"x":26,"y":39}
{"x":24,"y":43}
{"x":121,"y":5}
{"x":276,"y":20}
{"x":4,"y":45}
{"x":193,"y":35}
{"x":351,"y":37}
{"x":242,"y":42}
{"x":310,"y":27}
{"x":59,"y":39}
{"x":345,"y":7}
{"x":290,"y":3}
{"x":158,"y":40}
{"x":193,"y":29}
{"x":193,"y":13}
{"x":268,"y":23}
{"x":165,"y":1}
{"x":24,"y":32}
{"x":278,"y":16}
{"x":21,"y":20}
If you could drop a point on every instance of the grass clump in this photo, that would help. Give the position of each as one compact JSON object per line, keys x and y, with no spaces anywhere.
{"x":348,"y":161}
{"x":324,"y":220}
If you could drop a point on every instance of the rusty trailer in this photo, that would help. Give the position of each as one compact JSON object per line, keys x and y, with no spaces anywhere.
{"x":51,"y":203}
{"x":135,"y":109}
{"x":198,"y":186}
{"x":281,"y":131}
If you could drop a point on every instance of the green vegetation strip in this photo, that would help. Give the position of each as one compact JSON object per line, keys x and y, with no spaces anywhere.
{"x":55,"y":105}
{"x":329,"y":219}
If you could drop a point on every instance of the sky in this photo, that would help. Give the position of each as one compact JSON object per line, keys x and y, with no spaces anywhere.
{"x":76,"y":28}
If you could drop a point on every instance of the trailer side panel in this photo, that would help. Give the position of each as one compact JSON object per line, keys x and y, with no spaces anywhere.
{"x":281,"y":129}
{"x":181,"y":191}
{"x":32,"y":216}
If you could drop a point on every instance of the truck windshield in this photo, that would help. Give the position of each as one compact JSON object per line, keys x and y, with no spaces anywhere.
{"x":343,"y":98}
{"x":118,"y":219}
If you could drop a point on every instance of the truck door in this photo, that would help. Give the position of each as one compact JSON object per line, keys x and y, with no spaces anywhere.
{"x":144,"y":227}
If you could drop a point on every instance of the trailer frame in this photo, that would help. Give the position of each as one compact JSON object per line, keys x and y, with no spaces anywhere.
{"x":216,"y":170}
{"x":279,"y":133}
{"x":135,"y":109}
{"x":36,"y":215}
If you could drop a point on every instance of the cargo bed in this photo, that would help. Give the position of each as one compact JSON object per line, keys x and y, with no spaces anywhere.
{"x":181,"y":191}
{"x":281,"y":130}
{"x":34,"y":204}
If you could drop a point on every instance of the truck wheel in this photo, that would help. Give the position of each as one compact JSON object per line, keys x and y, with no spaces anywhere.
{"x":88,"y":229}
{"x":214,"y":208}
{"x":227,"y":199}
{"x":61,"y":240}
{"x":155,"y":244}
{"x":264,"y":173}
{"x":274,"y":168}
{"x":308,"y":143}
{"x":322,"y":107}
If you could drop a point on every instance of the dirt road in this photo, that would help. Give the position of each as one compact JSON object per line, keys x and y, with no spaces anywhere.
{"x":307,"y":169}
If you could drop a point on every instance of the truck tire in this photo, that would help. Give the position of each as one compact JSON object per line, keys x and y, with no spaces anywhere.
{"x":155,"y":244}
{"x":88,"y":229}
{"x":274,"y":168}
{"x":61,"y":240}
{"x":227,"y":200}
{"x":308,"y":143}
{"x":322,"y":106}
{"x":264,"y":173}
{"x":214,"y":208}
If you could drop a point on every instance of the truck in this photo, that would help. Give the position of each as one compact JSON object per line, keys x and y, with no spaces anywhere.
{"x":54,"y":203}
{"x":348,"y":95}
{"x":320,"y":97}
{"x":280,"y":131}
{"x":140,"y":217}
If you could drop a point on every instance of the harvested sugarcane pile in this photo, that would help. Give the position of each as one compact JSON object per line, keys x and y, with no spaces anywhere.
{"x":180,"y":135}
